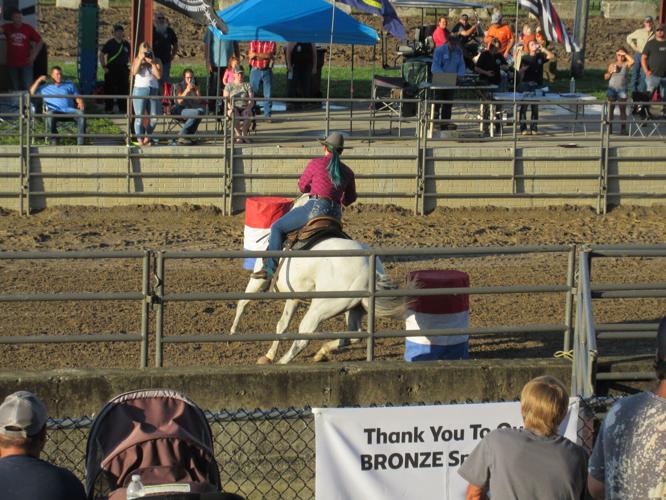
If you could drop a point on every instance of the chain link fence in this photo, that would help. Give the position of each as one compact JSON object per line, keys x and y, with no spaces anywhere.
{"x":264,"y":454}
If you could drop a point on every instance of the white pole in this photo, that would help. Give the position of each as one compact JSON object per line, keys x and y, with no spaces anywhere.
{"x":330,"y":58}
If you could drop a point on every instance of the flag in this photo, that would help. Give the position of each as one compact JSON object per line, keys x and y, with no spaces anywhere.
{"x":551,"y":24}
{"x":201,"y":11}
{"x":380,"y":8}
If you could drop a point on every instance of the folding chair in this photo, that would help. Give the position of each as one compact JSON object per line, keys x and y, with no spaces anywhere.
{"x":171,"y":121}
{"x":393,"y":90}
{"x":644,"y":116}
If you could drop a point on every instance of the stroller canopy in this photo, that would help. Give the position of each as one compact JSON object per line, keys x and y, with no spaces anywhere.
{"x":160,"y":434}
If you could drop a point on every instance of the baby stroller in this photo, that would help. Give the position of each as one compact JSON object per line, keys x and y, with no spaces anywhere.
{"x":161,"y":435}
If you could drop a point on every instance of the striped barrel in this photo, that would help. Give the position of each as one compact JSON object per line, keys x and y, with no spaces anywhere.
{"x":260,"y":213}
{"x":438,"y":311}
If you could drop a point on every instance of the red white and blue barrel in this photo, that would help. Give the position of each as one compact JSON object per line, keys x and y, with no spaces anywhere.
{"x":435,"y":312}
{"x":260,"y":213}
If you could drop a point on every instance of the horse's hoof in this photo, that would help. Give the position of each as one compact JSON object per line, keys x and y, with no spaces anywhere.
{"x":264,"y":360}
{"x":321,"y":356}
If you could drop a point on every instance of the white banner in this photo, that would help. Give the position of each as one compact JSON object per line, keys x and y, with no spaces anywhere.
{"x":407,"y":452}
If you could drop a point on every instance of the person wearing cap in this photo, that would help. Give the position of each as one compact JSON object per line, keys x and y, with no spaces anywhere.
{"x":114,"y":57}
{"x":464,"y":30}
{"x":637,"y":40}
{"x":239,"y":100}
{"x":628,"y":458}
{"x":165,"y":45}
{"x":503,"y":33}
{"x":330,"y":185}
{"x":653,"y":61}
{"x":23,"y":476}
{"x":531,"y":463}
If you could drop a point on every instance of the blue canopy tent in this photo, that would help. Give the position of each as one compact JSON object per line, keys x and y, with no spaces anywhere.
{"x":313,"y":21}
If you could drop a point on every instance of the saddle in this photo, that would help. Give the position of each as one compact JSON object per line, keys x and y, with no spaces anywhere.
{"x":315,"y":230}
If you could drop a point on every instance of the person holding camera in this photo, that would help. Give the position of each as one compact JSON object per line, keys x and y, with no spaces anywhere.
{"x":617,"y":86}
{"x":147,"y":71}
{"x":187,"y":108}
{"x":531,"y":74}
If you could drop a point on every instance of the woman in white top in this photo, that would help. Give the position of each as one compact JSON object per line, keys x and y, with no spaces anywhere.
{"x":147,"y":71}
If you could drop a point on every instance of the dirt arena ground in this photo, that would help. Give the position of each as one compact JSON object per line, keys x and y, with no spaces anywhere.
{"x":198,"y":228}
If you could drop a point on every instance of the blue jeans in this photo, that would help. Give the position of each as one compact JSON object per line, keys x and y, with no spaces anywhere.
{"x":140,"y":106}
{"x":192,"y":123}
{"x":296,"y":219}
{"x":637,"y":75}
{"x":52,"y":124}
{"x":657,"y":81}
{"x":265,"y":77}
{"x":20,"y":77}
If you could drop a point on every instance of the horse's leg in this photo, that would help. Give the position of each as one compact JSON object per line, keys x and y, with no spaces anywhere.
{"x":320,"y":310}
{"x":289,"y":308}
{"x":353,"y":319}
{"x":252,"y":287}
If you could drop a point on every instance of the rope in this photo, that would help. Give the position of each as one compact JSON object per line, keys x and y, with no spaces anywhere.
{"x":564,"y":354}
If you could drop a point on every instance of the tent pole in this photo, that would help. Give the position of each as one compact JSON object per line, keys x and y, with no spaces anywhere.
{"x":351,"y":94}
{"x":328,"y":83}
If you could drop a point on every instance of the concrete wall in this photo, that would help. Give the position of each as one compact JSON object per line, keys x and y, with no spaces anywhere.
{"x":166,"y":180}
{"x":83,"y":392}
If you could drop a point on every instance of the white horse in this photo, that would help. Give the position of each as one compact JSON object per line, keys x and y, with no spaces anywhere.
{"x":320,"y":274}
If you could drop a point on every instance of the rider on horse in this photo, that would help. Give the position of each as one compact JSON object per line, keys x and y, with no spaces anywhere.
{"x":330,"y":184}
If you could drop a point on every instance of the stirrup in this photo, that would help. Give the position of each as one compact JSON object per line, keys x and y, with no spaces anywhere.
{"x":262,"y":274}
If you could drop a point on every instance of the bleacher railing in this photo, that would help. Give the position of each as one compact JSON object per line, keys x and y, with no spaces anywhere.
{"x":365,"y":122}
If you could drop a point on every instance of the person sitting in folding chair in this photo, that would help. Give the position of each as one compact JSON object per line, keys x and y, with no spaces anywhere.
{"x":190,"y":109}
{"x":61,"y":105}
{"x":240,"y":92}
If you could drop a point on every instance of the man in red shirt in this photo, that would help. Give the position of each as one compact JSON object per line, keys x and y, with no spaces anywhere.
{"x":441,"y":34}
{"x":261,"y":56}
{"x":23,"y":45}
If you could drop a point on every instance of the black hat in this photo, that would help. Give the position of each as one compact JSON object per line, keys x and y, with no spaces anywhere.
{"x":118,"y":27}
{"x":335,"y":141}
{"x":239,"y":68}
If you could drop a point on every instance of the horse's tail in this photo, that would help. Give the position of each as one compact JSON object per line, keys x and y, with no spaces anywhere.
{"x":391,"y":307}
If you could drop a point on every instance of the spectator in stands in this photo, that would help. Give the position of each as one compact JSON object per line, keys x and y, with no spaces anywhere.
{"x":23,"y":476}
{"x":503,"y":33}
{"x":550,"y":68}
{"x":147,"y":71}
{"x":447,"y":58}
{"x":531,"y":463}
{"x":114,"y":58}
{"x":301,"y":65}
{"x":242,"y":95}
{"x":262,"y":56}
{"x":464,"y":30}
{"x":653,"y":61}
{"x":229,"y":72}
{"x":441,"y":34}
{"x":492,"y":70}
{"x":628,"y":458}
{"x":62,"y":105}
{"x":23,"y":45}
{"x":531,"y":73}
{"x":218,"y":54}
{"x":617,"y":86}
{"x":165,"y":45}
{"x":187,"y":108}
{"x":637,"y":40}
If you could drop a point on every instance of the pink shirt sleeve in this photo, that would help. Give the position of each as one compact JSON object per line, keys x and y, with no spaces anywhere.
{"x":305,"y":181}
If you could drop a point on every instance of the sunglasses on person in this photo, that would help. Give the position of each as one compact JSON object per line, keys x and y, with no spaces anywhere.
{"x":659,"y":29}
